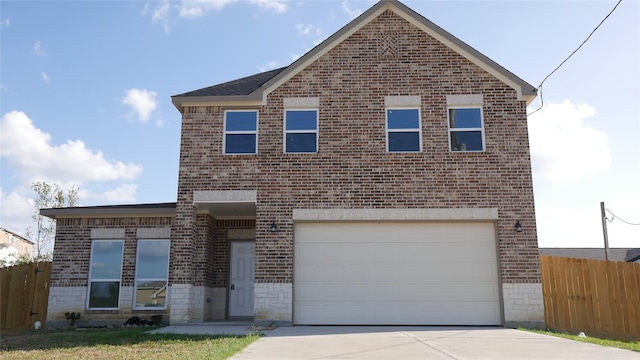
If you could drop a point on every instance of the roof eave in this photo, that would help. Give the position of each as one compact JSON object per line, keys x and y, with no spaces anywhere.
{"x":108,"y":211}
{"x":254,"y":99}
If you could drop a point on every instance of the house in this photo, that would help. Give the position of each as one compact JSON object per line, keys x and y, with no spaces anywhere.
{"x":13,"y":246}
{"x":382,"y":178}
{"x":615,"y":254}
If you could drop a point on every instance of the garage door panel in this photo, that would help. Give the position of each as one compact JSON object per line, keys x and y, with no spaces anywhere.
{"x":331,"y":271}
{"x":443,"y":313}
{"x":307,"y":292}
{"x":396,"y":273}
{"x":308,"y":272}
{"x":473,"y":252}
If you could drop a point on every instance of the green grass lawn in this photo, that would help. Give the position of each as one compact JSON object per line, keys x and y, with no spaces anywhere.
{"x":628,"y":345}
{"x":119,"y":343}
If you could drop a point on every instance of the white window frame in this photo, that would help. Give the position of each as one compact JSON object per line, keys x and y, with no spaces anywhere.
{"x":285,"y":131}
{"x":90,"y":280}
{"x":137,"y":279}
{"x":239,"y":132}
{"x":452,"y":130}
{"x":418,"y":129}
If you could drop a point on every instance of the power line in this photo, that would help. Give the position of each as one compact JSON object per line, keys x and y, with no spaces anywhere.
{"x":570,"y":55}
{"x":617,"y":217}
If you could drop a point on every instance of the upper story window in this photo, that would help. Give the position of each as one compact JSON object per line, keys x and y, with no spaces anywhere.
{"x":403,"y":130}
{"x":301,"y":131}
{"x":466,"y":131}
{"x":105,"y":273}
{"x":240,"y":132}
{"x":152,"y":273}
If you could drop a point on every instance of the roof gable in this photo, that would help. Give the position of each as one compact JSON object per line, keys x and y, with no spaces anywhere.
{"x":274,"y":78}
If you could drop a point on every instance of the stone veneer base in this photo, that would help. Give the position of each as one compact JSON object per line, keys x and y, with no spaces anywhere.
{"x":273,"y":303}
{"x":523,"y":305}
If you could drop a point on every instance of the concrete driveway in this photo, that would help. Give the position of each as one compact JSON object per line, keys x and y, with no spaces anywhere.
{"x":417,"y":342}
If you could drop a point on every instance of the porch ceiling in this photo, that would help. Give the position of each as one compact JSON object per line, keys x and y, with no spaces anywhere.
{"x":228,"y":210}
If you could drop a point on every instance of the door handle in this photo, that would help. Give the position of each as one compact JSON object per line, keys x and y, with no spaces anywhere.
{"x":233,"y":286}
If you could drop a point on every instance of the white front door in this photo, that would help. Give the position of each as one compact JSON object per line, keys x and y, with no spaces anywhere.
{"x":243,"y":256}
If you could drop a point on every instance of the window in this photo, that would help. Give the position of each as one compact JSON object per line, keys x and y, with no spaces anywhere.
{"x":152,"y":272}
{"x":240,"y":132}
{"x":105,"y":273}
{"x":403,"y":130}
{"x":465,"y":129}
{"x":301,"y":131}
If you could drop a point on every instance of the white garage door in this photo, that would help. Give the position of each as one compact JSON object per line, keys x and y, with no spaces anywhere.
{"x":400,"y":273}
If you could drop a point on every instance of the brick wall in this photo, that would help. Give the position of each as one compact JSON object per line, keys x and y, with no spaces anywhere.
{"x":70,"y":269}
{"x":352,"y":168}
{"x":72,"y":249}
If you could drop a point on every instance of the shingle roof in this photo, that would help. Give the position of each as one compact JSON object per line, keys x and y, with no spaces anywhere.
{"x":244,"y":86}
{"x":615,"y":254}
{"x":633,"y":255}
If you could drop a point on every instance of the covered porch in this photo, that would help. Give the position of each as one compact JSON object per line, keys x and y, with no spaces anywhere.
{"x":223,"y":257}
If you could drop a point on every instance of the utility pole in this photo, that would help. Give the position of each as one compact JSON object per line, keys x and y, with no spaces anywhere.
{"x":604,"y":231}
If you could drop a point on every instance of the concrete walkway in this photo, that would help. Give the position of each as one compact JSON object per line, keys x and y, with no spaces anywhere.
{"x":416,"y":342}
{"x":402,"y":342}
{"x":230,"y":327}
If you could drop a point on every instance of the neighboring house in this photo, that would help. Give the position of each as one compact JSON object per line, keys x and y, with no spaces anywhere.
{"x":615,"y":254}
{"x":376,"y":180}
{"x":13,"y":246}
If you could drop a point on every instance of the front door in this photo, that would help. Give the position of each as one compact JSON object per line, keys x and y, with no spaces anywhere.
{"x":243,"y":256}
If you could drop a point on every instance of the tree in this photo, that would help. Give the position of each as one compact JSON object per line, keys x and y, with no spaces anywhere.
{"x":48,"y":196}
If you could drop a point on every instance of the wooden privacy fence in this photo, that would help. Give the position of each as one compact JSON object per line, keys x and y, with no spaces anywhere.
{"x":24,"y":295}
{"x":597,"y":297}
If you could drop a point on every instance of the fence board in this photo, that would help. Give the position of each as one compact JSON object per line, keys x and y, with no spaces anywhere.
{"x":598,"y":297}
{"x":24,"y":296}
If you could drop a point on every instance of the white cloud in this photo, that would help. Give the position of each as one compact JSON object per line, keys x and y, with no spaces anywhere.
{"x":566,"y":226}
{"x":303,"y":29}
{"x":45,"y":78}
{"x":16,"y":210}
{"x":124,"y":193}
{"x":270,"y":66}
{"x":197,"y":8}
{"x":563,"y":147}
{"x":29,"y":150}
{"x":30,"y":153}
{"x":352,"y":13}
{"x":6,"y":22}
{"x":161,"y":13}
{"x":277,"y":6}
{"x":580,"y":225}
{"x":142,"y":102}
{"x":38,"y":50}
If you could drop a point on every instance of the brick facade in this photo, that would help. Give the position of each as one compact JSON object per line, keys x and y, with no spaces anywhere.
{"x":70,"y":268}
{"x":388,"y":57}
{"x":352,"y":168}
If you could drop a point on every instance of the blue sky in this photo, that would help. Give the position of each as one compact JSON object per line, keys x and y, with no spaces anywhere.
{"x":86,"y":86}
